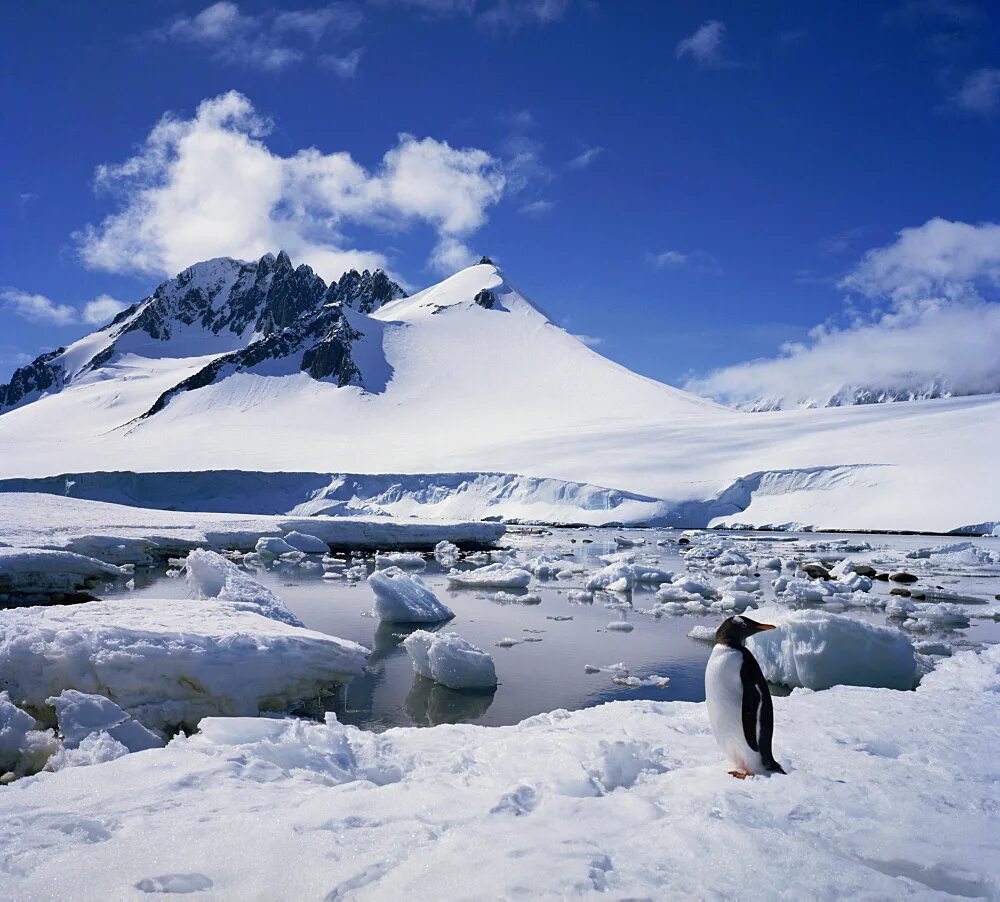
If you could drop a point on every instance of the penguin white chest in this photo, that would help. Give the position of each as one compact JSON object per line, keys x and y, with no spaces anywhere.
{"x":724,"y":697}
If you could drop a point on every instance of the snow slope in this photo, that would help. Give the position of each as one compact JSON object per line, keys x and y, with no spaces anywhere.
{"x":628,"y":800}
{"x":456,"y":386}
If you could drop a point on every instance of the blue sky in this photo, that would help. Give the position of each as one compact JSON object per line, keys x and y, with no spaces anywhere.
{"x":687,"y":183}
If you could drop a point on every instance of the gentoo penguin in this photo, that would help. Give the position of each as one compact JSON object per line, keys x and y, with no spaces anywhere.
{"x":739,"y":702}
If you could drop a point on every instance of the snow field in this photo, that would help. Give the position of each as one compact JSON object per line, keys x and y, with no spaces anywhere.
{"x":625,"y":800}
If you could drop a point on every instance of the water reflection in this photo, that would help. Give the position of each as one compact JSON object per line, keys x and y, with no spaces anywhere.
{"x":430,"y":703}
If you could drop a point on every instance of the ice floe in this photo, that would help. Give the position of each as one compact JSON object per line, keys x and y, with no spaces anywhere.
{"x":31,"y":574}
{"x":501,"y":575}
{"x":169,"y":662}
{"x":450,"y":660}
{"x":816,"y":649}
{"x":402,"y":597}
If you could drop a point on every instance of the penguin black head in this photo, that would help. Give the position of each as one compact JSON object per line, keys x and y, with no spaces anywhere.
{"x":734,"y":631}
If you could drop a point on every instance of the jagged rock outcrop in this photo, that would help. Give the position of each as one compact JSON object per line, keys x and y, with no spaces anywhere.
{"x":250,"y":312}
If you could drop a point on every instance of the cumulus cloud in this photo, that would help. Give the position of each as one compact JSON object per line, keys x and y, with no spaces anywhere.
{"x":705,"y":46}
{"x":37,"y":308}
{"x":210,"y":186}
{"x":270,"y":41}
{"x":101,"y":309}
{"x":933,"y":329}
{"x":980,"y":92}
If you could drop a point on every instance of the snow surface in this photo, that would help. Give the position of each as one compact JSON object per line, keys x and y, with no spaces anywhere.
{"x":815,"y":649}
{"x":48,"y":521}
{"x":889,"y":795}
{"x":925,"y":465}
{"x":402,"y":597}
{"x":168,"y":662}
{"x":447,"y":658}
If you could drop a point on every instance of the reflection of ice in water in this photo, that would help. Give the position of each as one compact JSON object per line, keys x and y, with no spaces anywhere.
{"x":430,"y":703}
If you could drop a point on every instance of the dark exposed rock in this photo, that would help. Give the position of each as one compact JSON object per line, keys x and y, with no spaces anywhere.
{"x":881,"y":577}
{"x":487,"y":261}
{"x":899,"y":590}
{"x":486,"y":299}
{"x":39,"y":376}
{"x":865,"y":570}
{"x":268,"y":309}
{"x":902,"y":577}
{"x":815,"y":571}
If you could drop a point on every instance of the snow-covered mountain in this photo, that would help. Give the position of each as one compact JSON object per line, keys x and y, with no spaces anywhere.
{"x":262,"y":368}
{"x":849,"y":395}
{"x":241,"y":314}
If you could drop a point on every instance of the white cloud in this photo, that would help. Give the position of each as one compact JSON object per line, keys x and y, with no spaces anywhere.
{"x":450,"y":255}
{"x":37,"y":308}
{"x":270,"y":41}
{"x":591,"y":341}
{"x":537,"y":208}
{"x":666,"y":259}
{"x":583,"y":160}
{"x":498,"y":14}
{"x":209,"y":186}
{"x":705,"y":46}
{"x":101,"y":309}
{"x":344,"y":66}
{"x":980,"y":92}
{"x":933,"y":329}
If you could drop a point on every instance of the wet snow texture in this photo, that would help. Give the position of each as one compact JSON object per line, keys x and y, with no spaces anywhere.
{"x":628,"y":800}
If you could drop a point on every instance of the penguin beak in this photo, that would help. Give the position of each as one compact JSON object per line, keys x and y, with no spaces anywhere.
{"x":763,"y":627}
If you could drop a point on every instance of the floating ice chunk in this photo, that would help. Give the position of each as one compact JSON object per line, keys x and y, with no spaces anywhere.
{"x":81,"y":715}
{"x":735,"y":601}
{"x":816,"y":649}
{"x":924,"y":617}
{"x":513,"y":598}
{"x":741,"y":583}
{"x":36,"y":571}
{"x":694,"y":587}
{"x":622,"y":577}
{"x":411,"y":560}
{"x":302,"y":541}
{"x":544,"y":567}
{"x":210,"y":575}
{"x":170,"y":662}
{"x":24,"y":749}
{"x":620,"y":626}
{"x":579,"y":596}
{"x":499,"y":576}
{"x":272,"y":546}
{"x":771,"y":563}
{"x":626,"y":542}
{"x":114,"y":549}
{"x":403,"y":598}
{"x":702,"y":633}
{"x":446,"y":553}
{"x":449,"y":660}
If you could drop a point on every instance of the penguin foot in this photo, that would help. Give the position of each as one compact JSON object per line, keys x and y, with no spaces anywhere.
{"x":740,"y":774}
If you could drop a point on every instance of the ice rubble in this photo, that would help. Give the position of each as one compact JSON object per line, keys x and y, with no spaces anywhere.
{"x":81,"y":715}
{"x":302,"y":541}
{"x":816,"y":649}
{"x":623,"y":575}
{"x":404,"y":598}
{"x":624,"y":800}
{"x":210,"y":575}
{"x":169,"y":662}
{"x":501,"y":575}
{"x":407,"y":559}
{"x":450,"y":660}
{"x":36,"y":572}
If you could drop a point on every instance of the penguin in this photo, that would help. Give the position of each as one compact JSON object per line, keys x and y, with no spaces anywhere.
{"x":739,"y":702}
